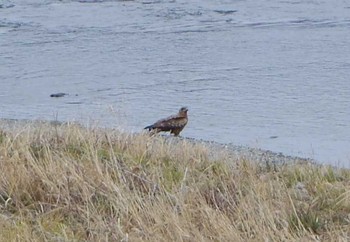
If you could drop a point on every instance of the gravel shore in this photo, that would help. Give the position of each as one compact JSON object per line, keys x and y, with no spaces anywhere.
{"x":254,"y":154}
{"x":235,"y":151}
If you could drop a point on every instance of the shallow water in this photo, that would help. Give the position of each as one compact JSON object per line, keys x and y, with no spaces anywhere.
{"x":268,"y":74}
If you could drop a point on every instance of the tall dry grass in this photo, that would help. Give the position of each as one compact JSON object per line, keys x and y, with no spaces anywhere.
{"x":68,"y":183}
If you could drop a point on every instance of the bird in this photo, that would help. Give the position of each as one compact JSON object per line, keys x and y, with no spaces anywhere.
{"x":174,"y":123}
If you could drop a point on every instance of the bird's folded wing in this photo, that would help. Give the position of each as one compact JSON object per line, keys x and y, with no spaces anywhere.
{"x":171,"y":122}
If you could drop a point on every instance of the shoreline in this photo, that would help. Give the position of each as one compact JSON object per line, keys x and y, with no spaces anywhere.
{"x":235,"y":151}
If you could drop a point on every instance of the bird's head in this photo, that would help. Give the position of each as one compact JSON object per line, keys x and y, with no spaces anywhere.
{"x":183,"y":110}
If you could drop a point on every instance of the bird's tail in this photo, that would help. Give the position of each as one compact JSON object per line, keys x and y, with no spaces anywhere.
{"x":150,"y":127}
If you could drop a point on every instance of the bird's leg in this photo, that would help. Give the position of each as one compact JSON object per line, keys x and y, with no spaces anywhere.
{"x":175,"y":132}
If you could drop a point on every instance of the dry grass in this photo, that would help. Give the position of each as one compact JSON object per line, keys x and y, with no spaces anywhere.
{"x":68,"y":183}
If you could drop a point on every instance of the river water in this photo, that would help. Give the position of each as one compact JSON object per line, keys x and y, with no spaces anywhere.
{"x":271,"y":74}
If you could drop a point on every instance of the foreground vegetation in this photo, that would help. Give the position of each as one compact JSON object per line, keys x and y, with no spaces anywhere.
{"x":67,"y":183}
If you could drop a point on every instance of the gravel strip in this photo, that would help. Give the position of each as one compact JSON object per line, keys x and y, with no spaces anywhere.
{"x":253,"y":154}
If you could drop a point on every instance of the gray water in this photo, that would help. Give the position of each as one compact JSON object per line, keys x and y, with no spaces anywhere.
{"x":268,"y":74}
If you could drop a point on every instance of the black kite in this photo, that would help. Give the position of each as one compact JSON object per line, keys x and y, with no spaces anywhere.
{"x":174,"y":123}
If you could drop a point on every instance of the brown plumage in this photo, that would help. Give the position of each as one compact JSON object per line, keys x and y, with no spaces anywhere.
{"x":174,"y":123}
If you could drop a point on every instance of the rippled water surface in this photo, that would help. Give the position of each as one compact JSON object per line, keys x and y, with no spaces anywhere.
{"x":268,"y":74}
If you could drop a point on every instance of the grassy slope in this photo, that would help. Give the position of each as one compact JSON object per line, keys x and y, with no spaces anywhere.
{"x":67,"y":183}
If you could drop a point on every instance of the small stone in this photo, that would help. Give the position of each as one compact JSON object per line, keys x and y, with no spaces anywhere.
{"x":301,"y":192}
{"x":60,"y":94}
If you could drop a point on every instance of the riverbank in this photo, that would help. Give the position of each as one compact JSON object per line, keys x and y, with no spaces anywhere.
{"x":235,"y":151}
{"x":69,"y":183}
